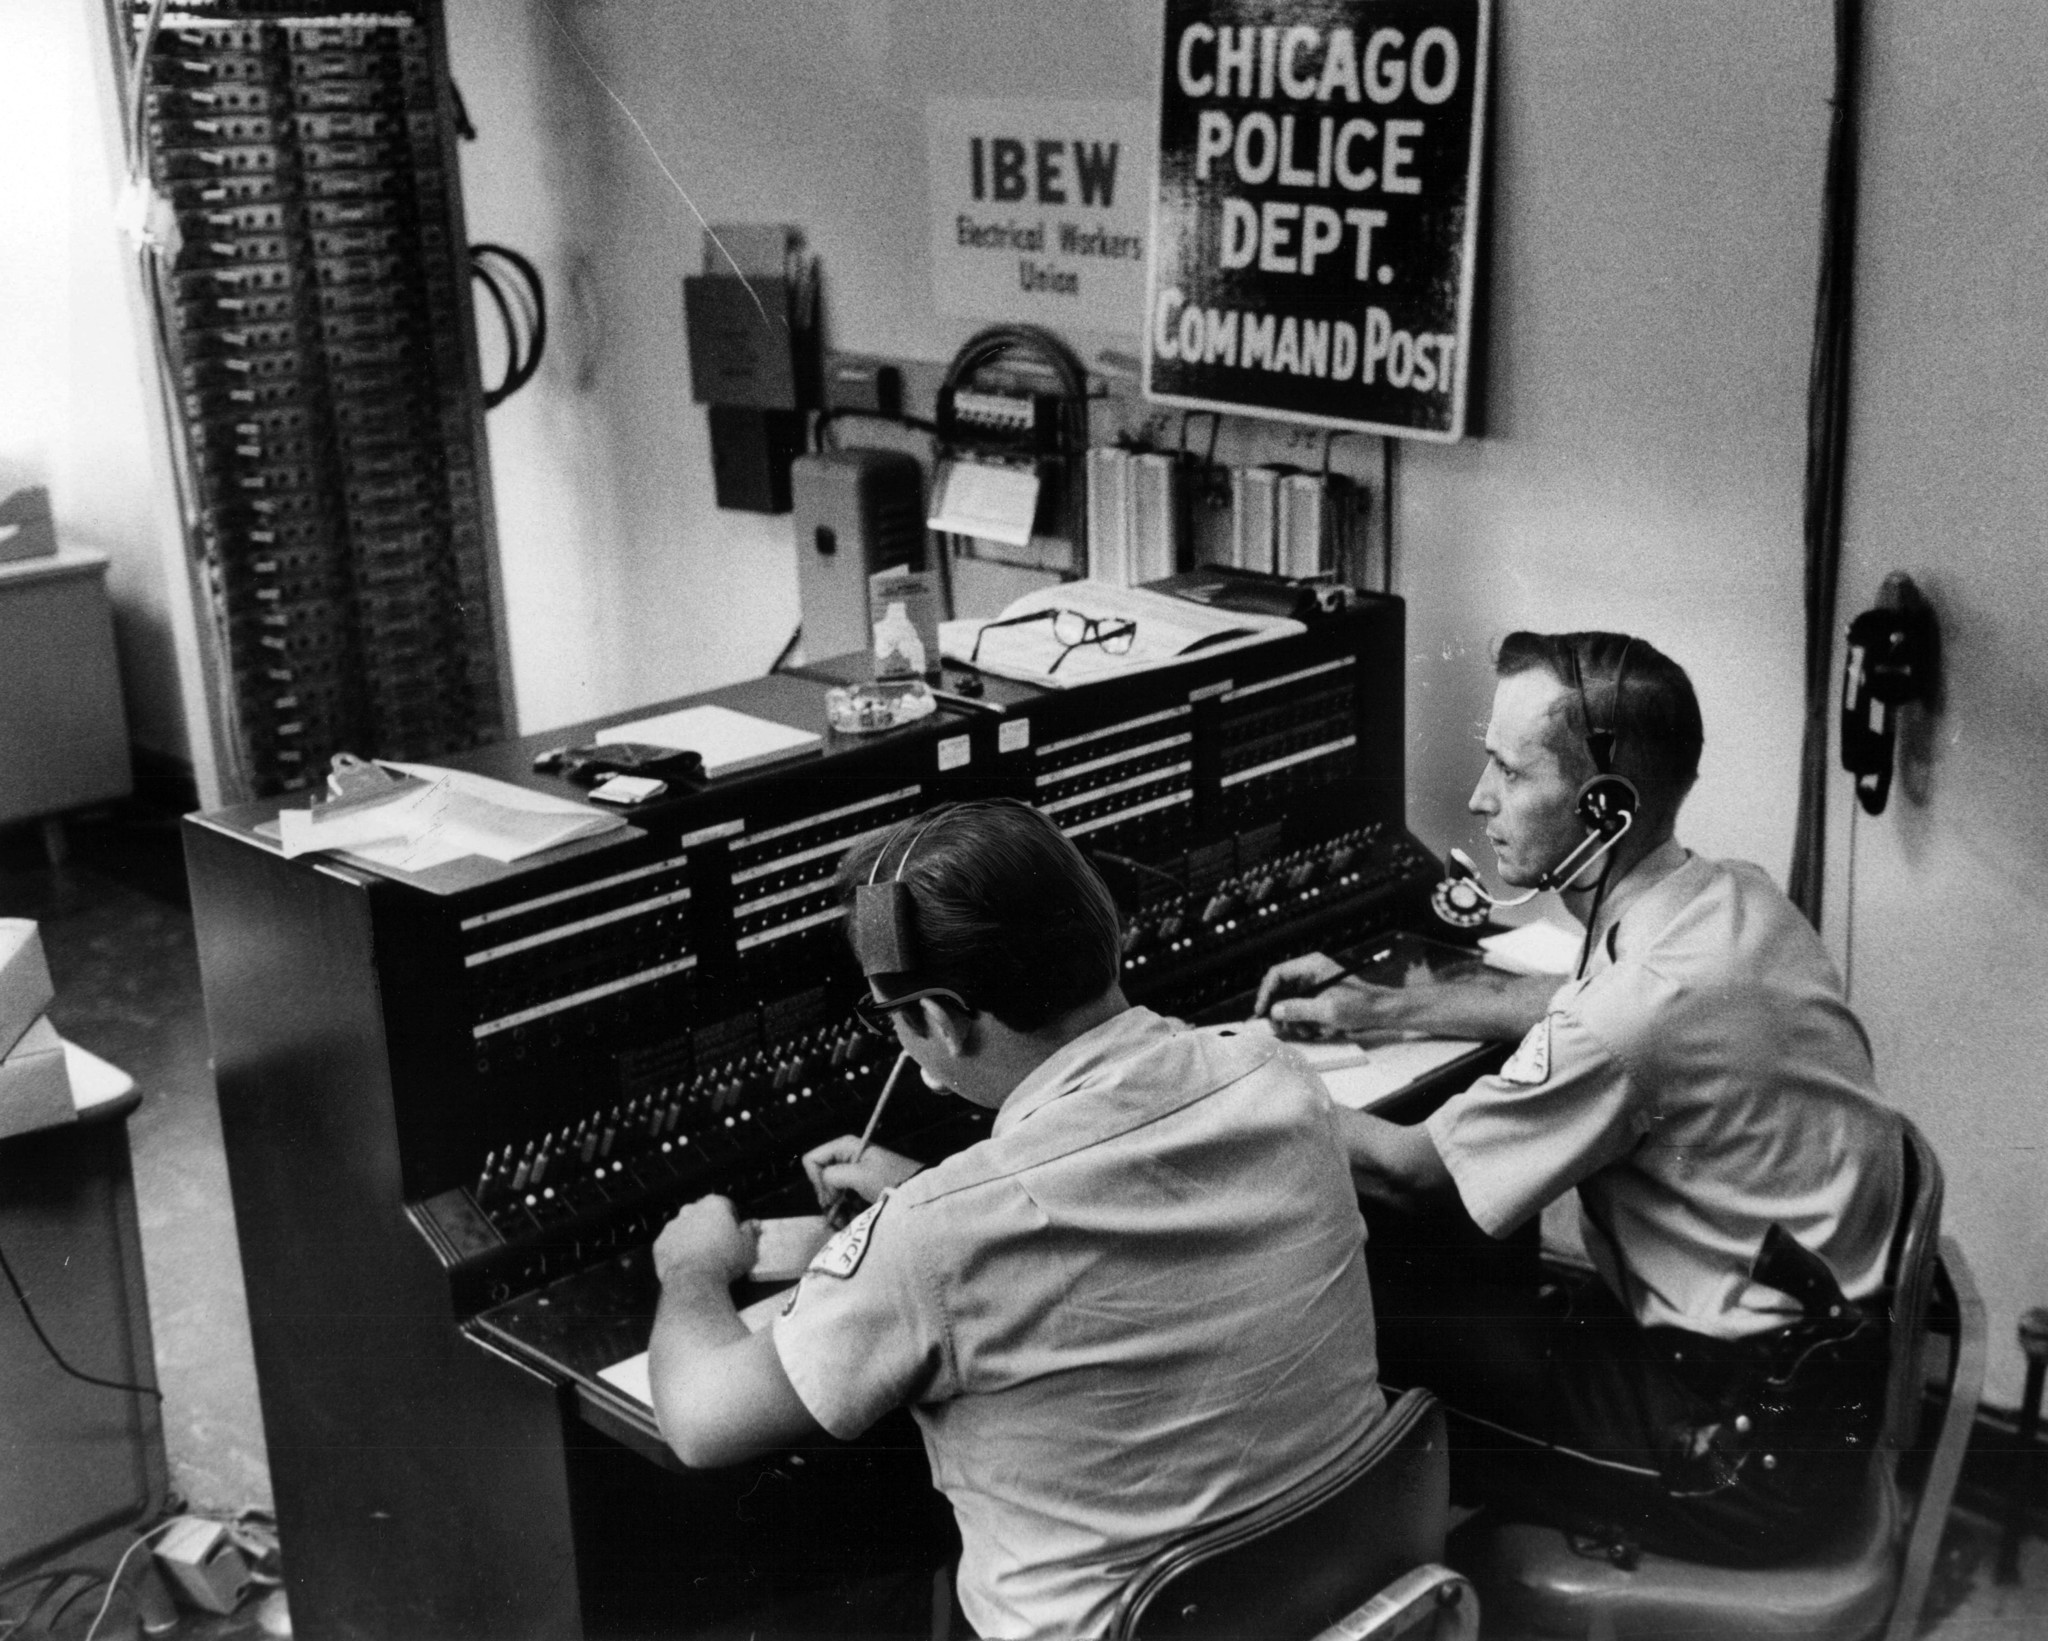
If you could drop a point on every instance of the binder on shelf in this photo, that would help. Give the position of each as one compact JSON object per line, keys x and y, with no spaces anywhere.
{"x":1301,"y":525}
{"x":1254,"y":516}
{"x":1109,"y":512}
{"x":1155,"y":516}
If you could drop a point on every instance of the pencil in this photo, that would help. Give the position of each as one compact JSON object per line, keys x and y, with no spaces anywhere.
{"x":838,"y":1215}
{"x":903,"y":1063}
{"x":1348,"y":971}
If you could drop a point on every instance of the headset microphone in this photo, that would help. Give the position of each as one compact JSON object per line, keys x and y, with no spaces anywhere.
{"x":1462,"y":901}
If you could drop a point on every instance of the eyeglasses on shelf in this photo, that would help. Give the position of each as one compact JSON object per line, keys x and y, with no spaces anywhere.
{"x":1071,"y":630}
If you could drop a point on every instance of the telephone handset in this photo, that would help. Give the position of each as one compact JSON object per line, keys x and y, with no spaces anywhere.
{"x":1890,"y":661}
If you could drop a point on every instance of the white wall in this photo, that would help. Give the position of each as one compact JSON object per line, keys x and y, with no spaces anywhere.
{"x":75,"y":395}
{"x":1656,"y":187}
{"x":1945,"y":927}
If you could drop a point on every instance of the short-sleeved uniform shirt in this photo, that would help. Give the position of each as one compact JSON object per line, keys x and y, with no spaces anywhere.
{"x":1141,"y":1303}
{"x":1704,"y":1079}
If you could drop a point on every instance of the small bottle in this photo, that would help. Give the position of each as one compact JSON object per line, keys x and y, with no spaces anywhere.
{"x":899,"y":652}
{"x":898,"y":693}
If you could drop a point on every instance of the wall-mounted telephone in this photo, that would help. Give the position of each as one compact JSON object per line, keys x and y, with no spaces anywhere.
{"x":1890,"y":661}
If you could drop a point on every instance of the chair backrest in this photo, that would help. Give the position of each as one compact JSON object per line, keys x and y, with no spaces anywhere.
{"x":1916,"y":1248}
{"x":1304,"y":1559}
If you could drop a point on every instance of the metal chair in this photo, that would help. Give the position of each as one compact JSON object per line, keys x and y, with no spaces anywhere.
{"x":1346,"y":1557}
{"x":1870,"y":1578}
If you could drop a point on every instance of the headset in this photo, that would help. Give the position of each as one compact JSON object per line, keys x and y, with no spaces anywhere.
{"x":1606,"y":807}
{"x":884,"y":935}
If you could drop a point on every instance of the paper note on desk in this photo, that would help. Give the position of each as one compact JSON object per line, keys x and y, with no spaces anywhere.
{"x":1364,"y":1075}
{"x":1537,"y":947}
{"x":448,"y":814}
{"x":631,"y":1377}
{"x":787,"y":1246}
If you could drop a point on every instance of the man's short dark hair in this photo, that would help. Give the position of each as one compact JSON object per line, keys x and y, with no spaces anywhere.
{"x":1004,"y":910}
{"x":1655,"y":716}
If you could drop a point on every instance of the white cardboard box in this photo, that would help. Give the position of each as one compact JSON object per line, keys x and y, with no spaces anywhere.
{"x":25,"y":990}
{"x":35,"y":1084}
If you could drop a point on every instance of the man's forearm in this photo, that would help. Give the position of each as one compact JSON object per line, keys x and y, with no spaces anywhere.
{"x":695,"y":1313}
{"x":1392,"y":1165}
{"x":1485,"y":1004}
{"x":693,"y":1321}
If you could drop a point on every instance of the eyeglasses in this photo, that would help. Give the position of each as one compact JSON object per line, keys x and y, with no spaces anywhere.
{"x":874,"y":1013}
{"x":1071,"y":630}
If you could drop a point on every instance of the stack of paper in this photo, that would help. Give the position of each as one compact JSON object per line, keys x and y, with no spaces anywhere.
{"x":439,"y":816}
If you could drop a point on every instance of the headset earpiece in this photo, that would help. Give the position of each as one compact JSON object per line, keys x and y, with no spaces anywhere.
{"x":884,"y":932}
{"x":1607,"y":802}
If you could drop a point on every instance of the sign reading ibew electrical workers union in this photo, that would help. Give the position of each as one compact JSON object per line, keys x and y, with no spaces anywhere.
{"x":1317,"y":210}
{"x":1038,"y":210}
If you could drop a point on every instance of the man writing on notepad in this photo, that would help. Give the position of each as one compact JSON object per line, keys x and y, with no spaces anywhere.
{"x":1140,"y":1304}
{"x":1712,"y":1386}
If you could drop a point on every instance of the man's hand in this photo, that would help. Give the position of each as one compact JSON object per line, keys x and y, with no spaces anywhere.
{"x":1294,"y":998}
{"x":833,"y":1172}
{"x":707,"y":1239}
{"x":1477,"y":1002}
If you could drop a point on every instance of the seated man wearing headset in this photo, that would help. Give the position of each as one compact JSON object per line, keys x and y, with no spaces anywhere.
{"x":1703,"y":1085}
{"x":1139,"y":1305}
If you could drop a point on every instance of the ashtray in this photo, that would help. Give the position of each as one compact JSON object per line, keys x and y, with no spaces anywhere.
{"x":863,"y":709}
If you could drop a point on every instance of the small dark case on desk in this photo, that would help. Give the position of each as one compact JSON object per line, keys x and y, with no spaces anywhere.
{"x":587,"y":765}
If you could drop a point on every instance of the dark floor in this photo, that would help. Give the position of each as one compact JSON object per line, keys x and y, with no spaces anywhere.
{"x":118,"y":934}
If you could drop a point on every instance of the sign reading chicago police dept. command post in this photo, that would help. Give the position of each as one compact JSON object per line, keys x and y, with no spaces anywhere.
{"x":1038,"y":210}
{"x":1317,"y":210}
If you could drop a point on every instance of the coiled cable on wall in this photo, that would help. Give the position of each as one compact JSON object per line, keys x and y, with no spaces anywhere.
{"x":517,"y":292}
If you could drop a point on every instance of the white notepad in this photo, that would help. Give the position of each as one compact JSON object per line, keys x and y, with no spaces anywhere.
{"x":788,"y":1245}
{"x":727,"y":741}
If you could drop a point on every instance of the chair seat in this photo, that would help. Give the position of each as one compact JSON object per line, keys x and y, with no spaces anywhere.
{"x":1533,"y":1582}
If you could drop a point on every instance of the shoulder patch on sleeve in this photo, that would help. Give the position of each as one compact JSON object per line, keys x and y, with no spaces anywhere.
{"x":841,"y":1256}
{"x":1530,"y":1064}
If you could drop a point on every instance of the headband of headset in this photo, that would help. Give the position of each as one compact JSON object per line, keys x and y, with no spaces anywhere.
{"x":1608,"y":799}
{"x":884,"y":933}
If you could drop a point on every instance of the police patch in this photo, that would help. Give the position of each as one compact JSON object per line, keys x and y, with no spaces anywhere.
{"x":1530,"y":1064}
{"x":841,"y":1256}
